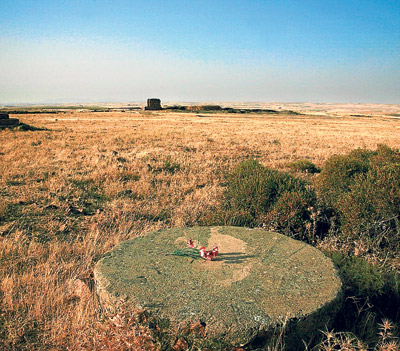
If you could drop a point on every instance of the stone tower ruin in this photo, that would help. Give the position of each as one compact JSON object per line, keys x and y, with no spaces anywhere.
{"x":153,"y":104}
{"x":7,"y":122}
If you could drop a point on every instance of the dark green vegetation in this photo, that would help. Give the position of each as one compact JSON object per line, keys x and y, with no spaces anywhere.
{"x":372,"y":294}
{"x":357,"y":196}
{"x":217,"y":108}
{"x":355,"y":200}
{"x":305,"y":166}
{"x":363,"y":190}
{"x":60,"y":109}
{"x":258,"y":197}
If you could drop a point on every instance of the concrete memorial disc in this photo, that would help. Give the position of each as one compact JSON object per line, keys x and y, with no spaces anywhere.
{"x":258,"y":279}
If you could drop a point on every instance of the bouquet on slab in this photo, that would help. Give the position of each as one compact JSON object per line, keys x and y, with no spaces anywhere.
{"x":194,"y":252}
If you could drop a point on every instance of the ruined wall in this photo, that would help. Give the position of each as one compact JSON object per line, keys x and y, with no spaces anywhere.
{"x":153,"y":105}
{"x":6,"y":121}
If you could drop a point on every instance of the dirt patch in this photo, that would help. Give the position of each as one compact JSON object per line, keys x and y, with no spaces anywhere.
{"x":226,"y":243}
{"x":230,"y":248}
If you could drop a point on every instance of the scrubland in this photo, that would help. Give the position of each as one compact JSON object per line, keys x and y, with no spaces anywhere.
{"x":89,"y":180}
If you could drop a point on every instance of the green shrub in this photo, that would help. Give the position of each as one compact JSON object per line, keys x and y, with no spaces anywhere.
{"x":362,"y":279}
{"x":304,"y":166}
{"x":363,"y":188}
{"x":291,"y":214}
{"x":339,"y":172}
{"x":371,"y":293}
{"x":258,"y":196}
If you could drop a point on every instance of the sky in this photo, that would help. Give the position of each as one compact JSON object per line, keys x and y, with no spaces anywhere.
{"x":210,"y":50}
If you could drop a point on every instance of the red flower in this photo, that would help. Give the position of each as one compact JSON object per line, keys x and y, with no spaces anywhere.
{"x":215,"y":250}
{"x":208,"y":255}
{"x":203,"y":252}
{"x":190,"y":243}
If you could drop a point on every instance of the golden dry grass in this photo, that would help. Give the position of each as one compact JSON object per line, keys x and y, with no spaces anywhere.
{"x":70,"y":193}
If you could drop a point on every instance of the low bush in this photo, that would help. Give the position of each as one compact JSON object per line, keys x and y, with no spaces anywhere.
{"x":363,"y":279}
{"x":304,"y":166}
{"x":363,"y":189}
{"x":372,"y":294}
{"x":258,"y":196}
{"x":340,"y":172}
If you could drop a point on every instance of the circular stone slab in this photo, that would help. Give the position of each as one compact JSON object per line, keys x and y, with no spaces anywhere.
{"x":258,"y":279}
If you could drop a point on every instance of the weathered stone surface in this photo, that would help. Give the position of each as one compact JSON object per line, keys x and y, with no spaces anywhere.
{"x":4,"y":115}
{"x":258,"y":279}
{"x":153,"y":104}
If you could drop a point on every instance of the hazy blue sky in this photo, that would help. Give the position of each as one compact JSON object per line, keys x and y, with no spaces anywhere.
{"x":208,"y":50}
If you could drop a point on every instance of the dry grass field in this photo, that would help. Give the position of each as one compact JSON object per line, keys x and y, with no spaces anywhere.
{"x":89,"y":180}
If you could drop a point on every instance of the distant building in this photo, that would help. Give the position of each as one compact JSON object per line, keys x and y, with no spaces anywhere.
{"x":7,"y":122}
{"x":153,"y":104}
